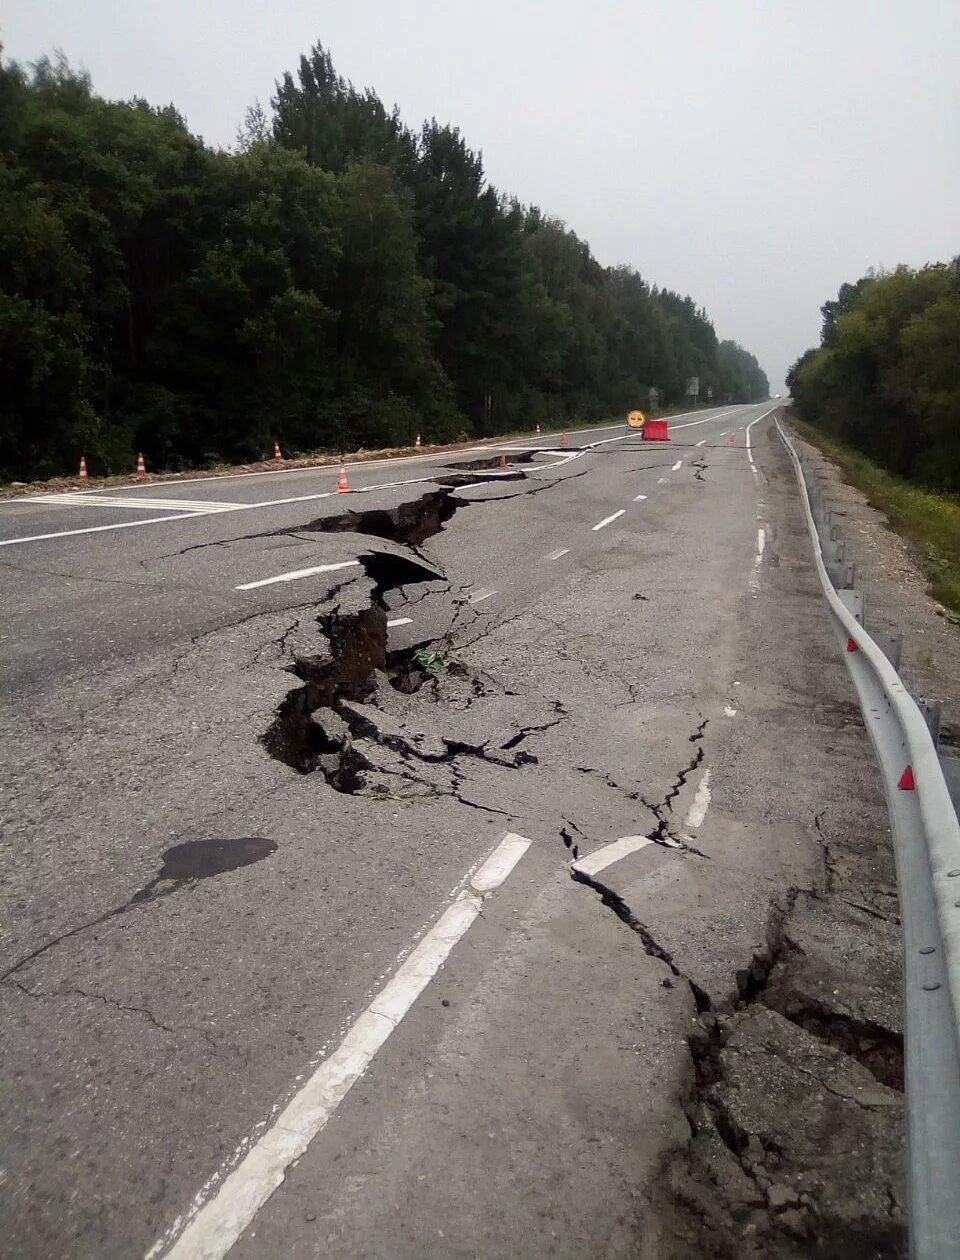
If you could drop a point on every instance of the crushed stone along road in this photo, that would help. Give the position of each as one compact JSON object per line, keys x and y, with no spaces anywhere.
{"x":266,"y":991}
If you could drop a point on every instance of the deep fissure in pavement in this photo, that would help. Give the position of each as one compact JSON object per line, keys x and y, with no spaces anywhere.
{"x":780,"y":1191}
{"x":333,"y":723}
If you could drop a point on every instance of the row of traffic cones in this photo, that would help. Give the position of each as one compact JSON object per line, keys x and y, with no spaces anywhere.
{"x":141,"y":467}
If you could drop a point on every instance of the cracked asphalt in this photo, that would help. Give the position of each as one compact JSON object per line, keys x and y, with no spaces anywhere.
{"x":254,"y":748}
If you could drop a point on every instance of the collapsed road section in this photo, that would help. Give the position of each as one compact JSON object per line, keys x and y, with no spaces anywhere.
{"x":355,"y":718}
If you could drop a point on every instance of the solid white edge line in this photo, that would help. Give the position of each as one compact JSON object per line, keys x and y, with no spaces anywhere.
{"x":100,"y":529}
{"x":400,"y":621}
{"x":295,"y":574}
{"x":607,"y":520}
{"x":701,"y":803}
{"x":222,"y":1219}
{"x":600,"y":859}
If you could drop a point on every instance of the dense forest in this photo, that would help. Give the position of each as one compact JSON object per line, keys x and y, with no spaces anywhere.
{"x":886,"y":377}
{"x":336,"y":280}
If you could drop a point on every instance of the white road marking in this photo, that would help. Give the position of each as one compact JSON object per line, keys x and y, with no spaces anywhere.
{"x":400,"y":621}
{"x":702,"y":442}
{"x":707,"y":420}
{"x":607,"y":520}
{"x":757,"y":561}
{"x":295,"y":574}
{"x":640,"y":498}
{"x":753,"y":467}
{"x":661,"y":481}
{"x":216,"y":1221}
{"x":728,"y":712}
{"x":560,"y":551}
{"x":479,"y":596}
{"x":97,"y":529}
{"x":600,"y":859}
{"x":724,"y":433}
{"x":701,"y":803}
{"x":677,"y":466}
{"x":140,"y":504}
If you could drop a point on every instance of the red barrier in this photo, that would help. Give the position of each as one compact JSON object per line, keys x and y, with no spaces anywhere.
{"x":656,"y":431}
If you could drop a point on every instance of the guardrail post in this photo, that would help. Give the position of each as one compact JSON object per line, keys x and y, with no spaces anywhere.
{"x":931,"y":710}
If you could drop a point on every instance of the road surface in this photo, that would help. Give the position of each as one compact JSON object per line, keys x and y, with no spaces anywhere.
{"x":295,"y":959}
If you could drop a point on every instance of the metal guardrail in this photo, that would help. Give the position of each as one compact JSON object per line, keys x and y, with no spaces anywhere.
{"x":926,"y":837}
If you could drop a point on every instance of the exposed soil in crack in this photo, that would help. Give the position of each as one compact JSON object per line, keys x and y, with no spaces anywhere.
{"x":493,"y":462}
{"x":805,"y":1101}
{"x":411,"y":523}
{"x":334,"y":722}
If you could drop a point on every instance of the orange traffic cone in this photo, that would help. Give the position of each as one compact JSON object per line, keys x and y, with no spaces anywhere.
{"x":416,"y":444}
{"x":343,"y":486}
{"x":503,"y":460}
{"x":538,"y":430}
{"x":733,"y":439}
{"x":83,"y":469}
{"x":277,"y":453}
{"x":563,"y":441}
{"x":141,"y":466}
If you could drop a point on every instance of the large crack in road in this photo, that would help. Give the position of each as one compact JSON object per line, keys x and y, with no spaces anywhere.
{"x":338,"y":721}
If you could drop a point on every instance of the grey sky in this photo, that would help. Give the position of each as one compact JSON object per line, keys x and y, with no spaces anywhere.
{"x":754,"y":153}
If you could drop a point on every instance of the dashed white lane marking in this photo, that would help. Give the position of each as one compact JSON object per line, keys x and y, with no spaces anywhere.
{"x":702,"y":442}
{"x":295,"y":574}
{"x":600,"y":859}
{"x":479,"y":596}
{"x":677,"y":466}
{"x":661,"y":481}
{"x":701,"y":803}
{"x":400,"y":621}
{"x":761,"y":543}
{"x":728,"y":712}
{"x":639,"y":498}
{"x":724,"y":433}
{"x":608,"y":520}
{"x":217,"y":1222}
{"x":560,"y":551}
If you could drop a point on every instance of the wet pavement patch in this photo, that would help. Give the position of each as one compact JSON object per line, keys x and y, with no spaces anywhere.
{"x":199,"y":859}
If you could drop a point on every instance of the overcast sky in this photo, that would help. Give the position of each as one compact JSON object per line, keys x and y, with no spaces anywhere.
{"x":752,"y":153}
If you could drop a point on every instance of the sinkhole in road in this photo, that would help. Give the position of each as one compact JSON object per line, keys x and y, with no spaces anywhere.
{"x":411,"y":523}
{"x":333,"y":723}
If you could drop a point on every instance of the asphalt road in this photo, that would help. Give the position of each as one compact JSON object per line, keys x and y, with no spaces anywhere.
{"x":195,"y":1057}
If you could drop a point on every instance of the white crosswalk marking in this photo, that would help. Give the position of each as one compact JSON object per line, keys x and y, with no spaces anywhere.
{"x":120,"y":501}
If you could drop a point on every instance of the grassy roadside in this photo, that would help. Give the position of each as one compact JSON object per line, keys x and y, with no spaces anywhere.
{"x":930,"y":520}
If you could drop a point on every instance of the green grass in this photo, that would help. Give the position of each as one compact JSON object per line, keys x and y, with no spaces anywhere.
{"x":930,"y":520}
